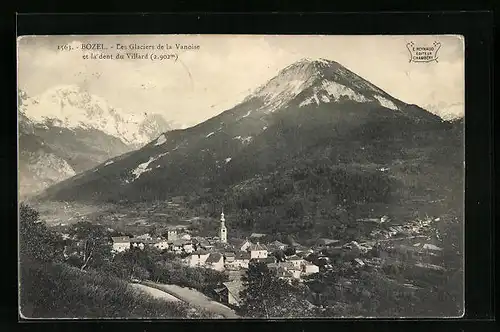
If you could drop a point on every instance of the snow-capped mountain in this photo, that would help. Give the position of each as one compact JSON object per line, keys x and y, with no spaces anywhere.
{"x":39,"y":166}
{"x":66,"y":130}
{"x":448,"y":112}
{"x":324,"y":80}
{"x":311,"y":109}
{"x":73,"y":108}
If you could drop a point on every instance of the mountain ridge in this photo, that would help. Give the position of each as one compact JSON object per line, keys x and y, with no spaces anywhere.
{"x":66,"y":131}
{"x":72,"y":107}
{"x":275,"y":116}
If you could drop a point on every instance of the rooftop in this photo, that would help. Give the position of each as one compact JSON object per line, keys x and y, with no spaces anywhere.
{"x":214,"y":257}
{"x":270,"y":259}
{"x":141,"y":240}
{"x":200,"y":252}
{"x":257,"y":235}
{"x":324,"y":241}
{"x":237,"y":241}
{"x":242,"y":255}
{"x":234,"y":287}
{"x":256,"y":247}
{"x":180,"y":242}
{"x":120,"y":239}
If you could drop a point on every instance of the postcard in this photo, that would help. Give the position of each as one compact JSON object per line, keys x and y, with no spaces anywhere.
{"x":241,"y":176}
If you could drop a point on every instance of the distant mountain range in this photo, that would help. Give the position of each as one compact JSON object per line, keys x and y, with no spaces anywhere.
{"x":66,"y":130}
{"x":314,"y":112}
{"x":448,"y":112}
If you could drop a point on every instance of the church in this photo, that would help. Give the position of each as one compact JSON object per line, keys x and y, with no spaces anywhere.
{"x":223,"y":229}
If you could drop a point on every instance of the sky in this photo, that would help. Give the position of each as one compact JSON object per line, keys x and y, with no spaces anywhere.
{"x":226,"y":68}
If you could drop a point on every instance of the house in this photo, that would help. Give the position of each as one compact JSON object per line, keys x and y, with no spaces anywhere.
{"x":229,"y":257}
{"x":197,"y":258}
{"x":172,"y":235}
{"x":374,"y":261}
{"x":276,"y":267}
{"x":120,"y":243}
{"x":276,"y":246}
{"x":204,"y":244}
{"x":267,"y":260}
{"x":141,"y":243}
{"x":138,"y":245}
{"x":431,"y":247}
{"x":295,"y":273}
{"x":303,"y":254}
{"x":309,"y":268}
{"x":303,"y":249}
{"x":323,"y":257}
{"x":272,"y":266}
{"x":359,"y":262}
{"x":187,"y":246}
{"x":353,"y":245}
{"x":177,"y":199}
{"x":430,"y":266}
{"x":231,"y":292}
{"x":237,"y":274}
{"x":257,"y":235}
{"x":144,"y":236}
{"x":185,"y":236}
{"x":296,"y":261}
{"x":282,"y":273}
{"x":215,"y":261}
{"x":287,"y":273}
{"x":326,"y":242}
{"x":176,"y":246}
{"x":161,"y":244}
{"x":241,"y":260}
{"x":240,"y":245}
{"x":257,"y":250}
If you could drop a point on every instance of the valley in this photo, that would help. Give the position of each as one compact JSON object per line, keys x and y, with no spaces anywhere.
{"x":315,"y":153}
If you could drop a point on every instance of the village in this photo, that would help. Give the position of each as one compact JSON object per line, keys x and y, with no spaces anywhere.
{"x":292,"y":263}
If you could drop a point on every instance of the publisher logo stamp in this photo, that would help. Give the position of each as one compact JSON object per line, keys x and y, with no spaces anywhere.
{"x":423,"y":53}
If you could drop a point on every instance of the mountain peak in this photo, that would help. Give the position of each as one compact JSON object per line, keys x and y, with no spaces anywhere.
{"x":324,"y":80}
{"x":319,"y":63}
{"x":73,"y":107}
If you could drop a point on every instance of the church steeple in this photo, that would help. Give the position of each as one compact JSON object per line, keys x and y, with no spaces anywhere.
{"x":223,"y":229}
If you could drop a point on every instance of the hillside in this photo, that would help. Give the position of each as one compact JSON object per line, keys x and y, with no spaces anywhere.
{"x":61,"y":291}
{"x":310,"y":151}
{"x":309,"y":106}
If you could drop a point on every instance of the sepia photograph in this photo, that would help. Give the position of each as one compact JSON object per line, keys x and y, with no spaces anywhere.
{"x":240,"y":176}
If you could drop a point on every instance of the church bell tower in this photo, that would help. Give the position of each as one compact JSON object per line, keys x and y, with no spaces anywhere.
{"x":223,"y":229}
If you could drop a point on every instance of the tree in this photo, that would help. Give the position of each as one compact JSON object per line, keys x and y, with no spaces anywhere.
{"x":92,"y":242}
{"x":36,"y":241}
{"x":267,"y":296}
{"x":289,"y":251}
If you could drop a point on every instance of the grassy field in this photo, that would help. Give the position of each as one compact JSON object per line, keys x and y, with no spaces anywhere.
{"x":60,"y":291}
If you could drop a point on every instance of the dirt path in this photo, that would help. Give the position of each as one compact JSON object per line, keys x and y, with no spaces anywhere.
{"x":156,"y":293}
{"x":195,"y":298}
